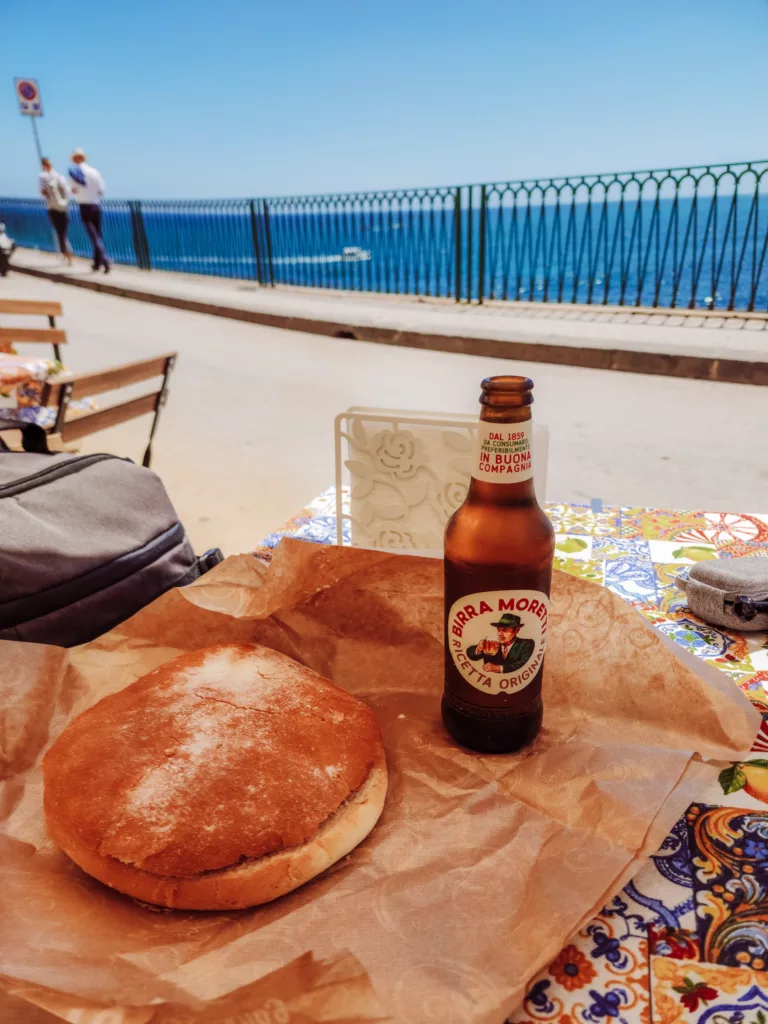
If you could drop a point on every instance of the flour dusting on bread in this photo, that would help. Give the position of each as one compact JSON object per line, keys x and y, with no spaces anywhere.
{"x":220,"y":757}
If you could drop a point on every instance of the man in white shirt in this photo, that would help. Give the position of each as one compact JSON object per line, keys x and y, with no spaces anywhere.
{"x":53,"y":188}
{"x":88,"y":187}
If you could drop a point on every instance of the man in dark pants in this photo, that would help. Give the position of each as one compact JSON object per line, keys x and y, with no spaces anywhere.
{"x":88,"y":187}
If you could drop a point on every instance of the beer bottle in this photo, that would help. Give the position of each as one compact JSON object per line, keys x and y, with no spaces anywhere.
{"x":499,"y":547}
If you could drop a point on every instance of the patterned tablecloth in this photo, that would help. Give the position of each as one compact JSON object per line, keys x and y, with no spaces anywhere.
{"x":17,"y":371}
{"x":686,"y":942}
{"x":21,"y":380}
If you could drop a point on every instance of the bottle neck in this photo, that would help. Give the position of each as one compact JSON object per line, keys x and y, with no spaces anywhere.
{"x":502,"y":472}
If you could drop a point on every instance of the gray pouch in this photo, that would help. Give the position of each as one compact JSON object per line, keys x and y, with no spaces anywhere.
{"x":729,"y":592}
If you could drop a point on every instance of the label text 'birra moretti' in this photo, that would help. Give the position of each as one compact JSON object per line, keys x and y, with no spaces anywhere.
{"x":497,"y":638}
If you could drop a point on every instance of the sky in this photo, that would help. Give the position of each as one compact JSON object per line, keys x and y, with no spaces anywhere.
{"x":259,"y":98}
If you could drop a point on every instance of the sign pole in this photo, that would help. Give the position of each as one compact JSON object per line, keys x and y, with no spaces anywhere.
{"x":30,"y":105}
{"x":37,"y":138}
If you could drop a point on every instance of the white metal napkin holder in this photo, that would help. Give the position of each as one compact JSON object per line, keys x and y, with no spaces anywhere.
{"x":408,"y":472}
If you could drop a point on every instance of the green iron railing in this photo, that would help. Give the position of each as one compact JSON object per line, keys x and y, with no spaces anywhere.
{"x":689,"y":237}
{"x":682,"y":237}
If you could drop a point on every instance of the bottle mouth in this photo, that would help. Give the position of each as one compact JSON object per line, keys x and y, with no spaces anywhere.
{"x":506,"y":390}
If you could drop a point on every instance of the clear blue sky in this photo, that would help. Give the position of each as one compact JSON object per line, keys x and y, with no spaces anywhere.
{"x":251,"y":97}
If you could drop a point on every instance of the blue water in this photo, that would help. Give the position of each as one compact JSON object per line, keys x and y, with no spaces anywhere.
{"x":701,"y":253}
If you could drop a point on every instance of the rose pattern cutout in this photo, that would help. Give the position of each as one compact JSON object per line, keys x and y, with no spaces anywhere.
{"x":393,"y":539}
{"x":451,"y":496}
{"x":401,"y":476}
{"x":398,"y":452}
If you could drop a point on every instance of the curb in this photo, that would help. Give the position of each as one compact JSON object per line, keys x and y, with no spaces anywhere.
{"x":728,"y":371}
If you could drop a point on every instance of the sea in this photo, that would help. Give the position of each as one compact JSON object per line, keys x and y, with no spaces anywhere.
{"x":690,"y":253}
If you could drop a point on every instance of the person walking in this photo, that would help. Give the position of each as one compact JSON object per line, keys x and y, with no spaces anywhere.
{"x":53,"y":188}
{"x":88,"y":187}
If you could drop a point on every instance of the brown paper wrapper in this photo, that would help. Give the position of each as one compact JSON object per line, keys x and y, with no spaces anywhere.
{"x":480,"y":867}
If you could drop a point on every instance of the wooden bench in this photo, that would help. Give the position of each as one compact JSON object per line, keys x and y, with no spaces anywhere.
{"x":52,"y":334}
{"x":61,"y":391}
{"x":69,"y":426}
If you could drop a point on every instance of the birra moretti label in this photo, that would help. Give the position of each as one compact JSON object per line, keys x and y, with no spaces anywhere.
{"x":497,"y":638}
{"x":503,"y":452}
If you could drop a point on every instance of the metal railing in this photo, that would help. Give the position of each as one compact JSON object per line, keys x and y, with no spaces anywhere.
{"x":690,"y":237}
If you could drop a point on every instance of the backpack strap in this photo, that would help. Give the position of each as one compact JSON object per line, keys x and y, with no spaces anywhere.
{"x":33,"y":437}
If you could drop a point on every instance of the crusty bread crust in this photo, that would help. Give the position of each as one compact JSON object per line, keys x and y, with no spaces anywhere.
{"x":252,"y":882}
{"x":225,"y":778}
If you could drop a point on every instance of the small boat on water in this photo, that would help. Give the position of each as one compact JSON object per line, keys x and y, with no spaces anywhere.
{"x":349,"y":254}
{"x":354,"y":254}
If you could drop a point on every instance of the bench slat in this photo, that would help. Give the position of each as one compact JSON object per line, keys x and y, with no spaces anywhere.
{"x":104,"y":418}
{"x":32,"y":307}
{"x":97,"y":382}
{"x":50,"y":335}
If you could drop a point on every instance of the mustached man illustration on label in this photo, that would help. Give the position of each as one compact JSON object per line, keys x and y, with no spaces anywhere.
{"x":506,"y":654}
{"x":510,"y":661}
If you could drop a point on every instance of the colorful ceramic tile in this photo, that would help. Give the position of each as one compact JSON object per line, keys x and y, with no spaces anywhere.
{"x":620,"y":547}
{"x":670,"y":596}
{"x":580,"y":519}
{"x":661,"y":893}
{"x":664,"y":887}
{"x":689,"y":993}
{"x":760,"y":746}
{"x":578,"y":548}
{"x":320,"y":530}
{"x":676,"y":943}
{"x":696,"y":636}
{"x":608,"y":522}
{"x":736,"y":661}
{"x":758,"y":645}
{"x":742,"y":548}
{"x":631,"y":579}
{"x":673,"y":551}
{"x":650,"y":899}
{"x":729,"y":853}
{"x":591,"y":570}
{"x":326,"y":502}
{"x":569,"y":518}
{"x":674,"y":525}
{"x":273,"y":539}
{"x":632,"y":522}
{"x":755,"y":686}
{"x":655,"y":616}
{"x":733,"y":666}
{"x":601,"y":974}
{"x":729,"y":527}
{"x":757,"y":683}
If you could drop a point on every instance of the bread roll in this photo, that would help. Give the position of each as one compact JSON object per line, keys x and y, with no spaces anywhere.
{"x":223,"y":779}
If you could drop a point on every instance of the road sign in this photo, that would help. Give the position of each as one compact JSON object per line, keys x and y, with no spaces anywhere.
{"x":28,"y":95}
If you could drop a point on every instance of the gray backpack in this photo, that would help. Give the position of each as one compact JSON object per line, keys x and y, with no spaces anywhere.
{"x":85,"y":541}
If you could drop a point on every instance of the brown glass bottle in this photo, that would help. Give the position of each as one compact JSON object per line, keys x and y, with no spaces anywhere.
{"x":499,"y":547}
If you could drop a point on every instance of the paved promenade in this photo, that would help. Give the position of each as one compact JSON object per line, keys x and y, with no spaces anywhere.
{"x":731,"y":348}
